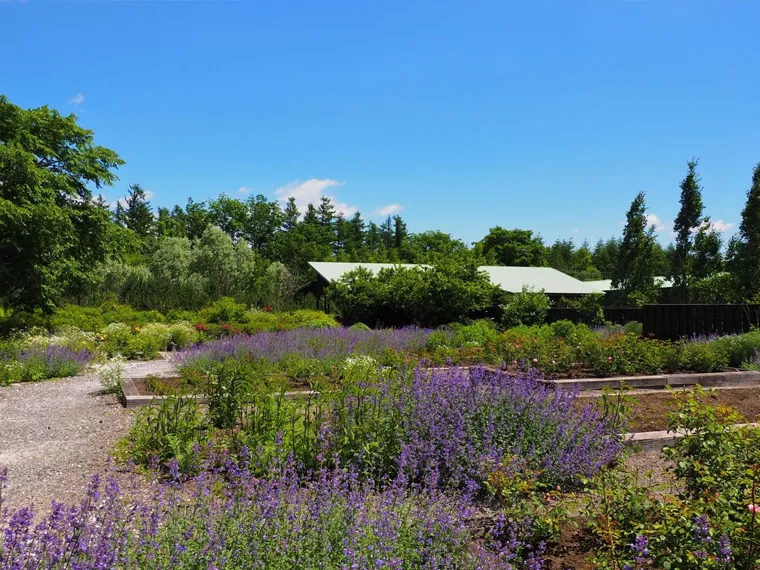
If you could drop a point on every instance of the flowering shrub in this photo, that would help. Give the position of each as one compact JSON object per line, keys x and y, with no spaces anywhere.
{"x":712,"y":520}
{"x":228,"y":518}
{"x":40,"y":363}
{"x":444,"y":428}
{"x":306,"y":352}
{"x":110,"y":373}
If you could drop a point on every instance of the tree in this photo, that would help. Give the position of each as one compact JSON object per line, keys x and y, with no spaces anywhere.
{"x":355,"y":237}
{"x":605,"y":256}
{"x":264,"y":220}
{"x":230,"y":215}
{"x":560,"y":255}
{"x":635,"y":270}
{"x":745,"y":248}
{"x":136,"y":214}
{"x":326,"y":211}
{"x":707,"y":257}
{"x":687,"y":222}
{"x":431,"y":247}
{"x":400,"y":232}
{"x":168,"y":225}
{"x":197,"y":218}
{"x":311,"y":216}
{"x":386,"y":231}
{"x":513,"y":248}
{"x":290,"y":215}
{"x":52,"y":231}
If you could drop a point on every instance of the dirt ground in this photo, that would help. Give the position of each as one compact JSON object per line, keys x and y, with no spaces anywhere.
{"x":651,"y":410}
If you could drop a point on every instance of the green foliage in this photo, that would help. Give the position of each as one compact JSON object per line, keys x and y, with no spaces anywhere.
{"x":513,"y":247}
{"x":225,"y":310}
{"x":590,"y":308}
{"x":708,"y":519}
{"x":744,"y":260}
{"x":52,"y":231}
{"x":169,"y":430}
{"x":717,"y":288}
{"x":525,"y":308}
{"x":228,"y":389}
{"x":635,"y":269}
{"x":687,"y":222}
{"x":359,"y":327}
{"x":136,"y":214}
{"x":425,"y":296}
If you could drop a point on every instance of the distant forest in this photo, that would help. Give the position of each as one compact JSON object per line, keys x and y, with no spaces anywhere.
{"x":61,"y":241}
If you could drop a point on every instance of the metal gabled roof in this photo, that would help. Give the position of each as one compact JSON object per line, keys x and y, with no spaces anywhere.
{"x":552,"y":281}
{"x":511,"y":279}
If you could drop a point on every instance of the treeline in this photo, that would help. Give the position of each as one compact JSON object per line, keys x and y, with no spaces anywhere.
{"x":59,"y":242}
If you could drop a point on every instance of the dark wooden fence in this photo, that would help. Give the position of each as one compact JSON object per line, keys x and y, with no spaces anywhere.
{"x":671,"y":322}
{"x":618,"y":316}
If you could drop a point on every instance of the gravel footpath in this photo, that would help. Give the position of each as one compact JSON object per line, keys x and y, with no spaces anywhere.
{"x":55,"y":434}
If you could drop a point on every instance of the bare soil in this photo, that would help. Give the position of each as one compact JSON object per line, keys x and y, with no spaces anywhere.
{"x":650,"y":413}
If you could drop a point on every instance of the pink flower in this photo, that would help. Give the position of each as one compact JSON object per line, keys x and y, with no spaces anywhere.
{"x":514,"y":362}
{"x":554,"y":362}
{"x":609,"y":359}
{"x":535,"y":360}
{"x":754,"y":509}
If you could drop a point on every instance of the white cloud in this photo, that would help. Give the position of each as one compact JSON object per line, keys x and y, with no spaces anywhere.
{"x":719,"y":226}
{"x":576,"y":231}
{"x":245,"y":190}
{"x":654,"y":220}
{"x":77,"y":99}
{"x":311,"y":191}
{"x":388,"y":210}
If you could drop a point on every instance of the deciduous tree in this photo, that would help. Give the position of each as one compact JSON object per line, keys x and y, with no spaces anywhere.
{"x":52,"y":231}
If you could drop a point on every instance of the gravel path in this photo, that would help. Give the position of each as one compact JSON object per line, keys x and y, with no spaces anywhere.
{"x":55,"y":434}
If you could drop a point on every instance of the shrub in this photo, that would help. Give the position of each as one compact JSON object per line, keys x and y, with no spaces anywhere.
{"x":633,"y":327}
{"x":50,"y":362}
{"x":525,"y":308}
{"x":116,"y":339}
{"x":111,"y":373}
{"x":424,"y":296}
{"x":225,"y":310}
{"x":226,"y":518}
{"x":359,"y":327}
{"x":182,"y":335}
{"x":709,"y":519}
{"x":150,"y":339}
{"x":590,"y":308}
{"x":171,"y":430}
{"x":480,"y":333}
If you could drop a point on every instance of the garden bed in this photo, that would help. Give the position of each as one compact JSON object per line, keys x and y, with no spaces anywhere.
{"x":651,"y":410}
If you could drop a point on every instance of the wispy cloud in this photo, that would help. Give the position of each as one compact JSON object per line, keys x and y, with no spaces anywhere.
{"x":659,"y":225}
{"x":388,"y":210}
{"x":311,"y":191}
{"x":245,"y":190}
{"x":719,"y":226}
{"x":77,"y":99}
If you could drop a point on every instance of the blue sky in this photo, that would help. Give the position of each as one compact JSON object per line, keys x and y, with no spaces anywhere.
{"x":460,"y":114}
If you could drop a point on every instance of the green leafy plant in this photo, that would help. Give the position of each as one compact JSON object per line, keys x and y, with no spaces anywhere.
{"x":173,"y":429}
{"x":525,"y":308}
